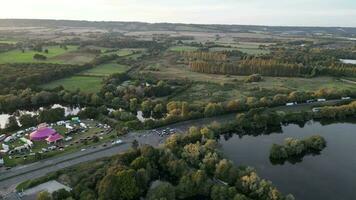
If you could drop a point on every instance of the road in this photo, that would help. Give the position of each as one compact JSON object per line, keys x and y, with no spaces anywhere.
{"x":9,"y":179}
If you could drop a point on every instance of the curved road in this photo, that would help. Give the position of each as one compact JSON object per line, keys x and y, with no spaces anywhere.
{"x":9,"y":179}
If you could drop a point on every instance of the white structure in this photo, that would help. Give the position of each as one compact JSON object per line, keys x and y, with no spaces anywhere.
{"x":83,"y":125}
{"x":8,"y":139}
{"x":26,"y":141}
{"x":69,"y":126}
{"x":316,"y":109}
{"x":2,"y":137}
{"x":5,"y":148}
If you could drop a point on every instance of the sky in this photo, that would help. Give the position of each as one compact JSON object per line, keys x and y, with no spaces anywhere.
{"x":257,"y":12}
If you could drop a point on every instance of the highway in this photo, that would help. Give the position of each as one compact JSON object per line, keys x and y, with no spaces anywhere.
{"x":10,"y":178}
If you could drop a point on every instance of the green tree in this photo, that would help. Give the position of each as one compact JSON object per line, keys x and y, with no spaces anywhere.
{"x":163,"y":191}
{"x":12,"y":124}
{"x":61,"y":194}
{"x":27,"y":120}
{"x":158,"y":111}
{"x":220,"y":192}
{"x":44,"y":196}
{"x":213,"y":109}
{"x":146,"y":107}
{"x":133,"y":105}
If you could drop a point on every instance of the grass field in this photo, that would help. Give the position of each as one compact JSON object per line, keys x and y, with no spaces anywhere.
{"x":246,"y":47}
{"x":55,"y":55}
{"x":212,"y":87}
{"x":8,"y":42}
{"x":183,"y":48}
{"x":88,"y":81}
{"x":106,"y":69}
{"x":126,"y":52}
{"x":84,"y":83}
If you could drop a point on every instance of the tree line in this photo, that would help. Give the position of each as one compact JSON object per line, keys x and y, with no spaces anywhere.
{"x":295,"y":148}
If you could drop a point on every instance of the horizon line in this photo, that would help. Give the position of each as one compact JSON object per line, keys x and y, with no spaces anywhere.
{"x":185,"y":23}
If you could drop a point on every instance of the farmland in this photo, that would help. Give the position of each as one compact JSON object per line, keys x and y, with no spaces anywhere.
{"x":105,"y":69}
{"x":183,"y":48}
{"x":55,"y":55}
{"x":88,"y":81}
{"x":83,"y":83}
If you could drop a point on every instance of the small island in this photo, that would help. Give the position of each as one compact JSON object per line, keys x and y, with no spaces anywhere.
{"x":295,"y":148}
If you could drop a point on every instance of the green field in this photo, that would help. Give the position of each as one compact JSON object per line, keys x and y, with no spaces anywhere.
{"x":249,"y":48}
{"x":125,"y":52}
{"x":8,"y":42}
{"x":55,"y":55}
{"x":84,"y":83}
{"x":183,"y":48}
{"x":88,"y":81}
{"x":106,"y":69}
{"x":213,"y":87}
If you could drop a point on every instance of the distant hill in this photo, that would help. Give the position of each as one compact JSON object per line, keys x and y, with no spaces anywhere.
{"x":140,"y":26}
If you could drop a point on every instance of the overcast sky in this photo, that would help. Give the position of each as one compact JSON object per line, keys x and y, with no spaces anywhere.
{"x":259,"y":12}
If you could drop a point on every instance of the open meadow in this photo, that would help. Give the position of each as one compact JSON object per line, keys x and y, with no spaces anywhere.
{"x":55,"y":55}
{"x":89,"y":80}
{"x":83,"y":83}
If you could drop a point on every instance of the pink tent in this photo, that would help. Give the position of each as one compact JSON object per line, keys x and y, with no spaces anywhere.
{"x":42,"y":133}
{"x":54,"y":138}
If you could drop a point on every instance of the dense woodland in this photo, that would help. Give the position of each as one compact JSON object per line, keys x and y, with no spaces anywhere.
{"x":281,"y":62}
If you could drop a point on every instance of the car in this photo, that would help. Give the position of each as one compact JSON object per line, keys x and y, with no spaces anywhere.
{"x":82,"y":149}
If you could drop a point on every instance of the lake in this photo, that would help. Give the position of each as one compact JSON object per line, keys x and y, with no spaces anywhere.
{"x":328,"y":176}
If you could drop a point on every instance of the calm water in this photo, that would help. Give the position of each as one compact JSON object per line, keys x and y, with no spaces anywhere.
{"x":328,"y":176}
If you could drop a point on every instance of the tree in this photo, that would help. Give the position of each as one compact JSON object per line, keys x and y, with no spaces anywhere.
{"x":133,"y":105}
{"x":207,"y":133}
{"x":185,"y":109}
{"x":146,"y":107}
{"x":163,"y":191}
{"x":226,"y":171}
{"x":44,"y":196}
{"x":51,"y":115}
{"x":158,"y":111}
{"x":27,"y":120}
{"x":194,"y":184}
{"x":213,"y":109}
{"x":220,"y":192}
{"x":39,"y":57}
{"x":134,"y":144}
{"x":278,"y":152}
{"x":12,"y":124}
{"x":61,"y":194}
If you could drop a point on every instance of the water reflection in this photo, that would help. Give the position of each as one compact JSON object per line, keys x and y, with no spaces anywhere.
{"x":329,"y":175}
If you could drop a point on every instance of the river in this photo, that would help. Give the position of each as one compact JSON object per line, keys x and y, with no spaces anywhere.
{"x":328,"y":176}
